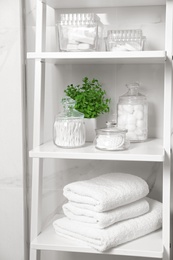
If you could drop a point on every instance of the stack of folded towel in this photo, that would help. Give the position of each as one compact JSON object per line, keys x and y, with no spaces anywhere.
{"x":108,"y":210}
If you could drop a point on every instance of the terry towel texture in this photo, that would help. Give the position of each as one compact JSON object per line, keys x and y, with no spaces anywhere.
{"x":119,"y":233}
{"x":107,"y":218}
{"x":107,"y":191}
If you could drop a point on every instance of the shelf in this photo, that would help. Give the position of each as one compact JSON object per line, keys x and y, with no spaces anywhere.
{"x":151,"y":150}
{"x":101,"y":3}
{"x":147,"y":246}
{"x":100,"y":57}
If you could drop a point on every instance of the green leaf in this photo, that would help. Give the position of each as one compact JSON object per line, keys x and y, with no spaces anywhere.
{"x":90,"y":98}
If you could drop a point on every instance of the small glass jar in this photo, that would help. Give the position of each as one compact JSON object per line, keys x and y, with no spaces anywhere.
{"x":111,"y":138}
{"x":69,"y":126}
{"x":79,"y":32}
{"x":133,"y":113}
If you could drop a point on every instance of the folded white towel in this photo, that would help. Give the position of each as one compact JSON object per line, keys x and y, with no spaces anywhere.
{"x":107,"y":191}
{"x":119,"y":233}
{"x":107,"y":218}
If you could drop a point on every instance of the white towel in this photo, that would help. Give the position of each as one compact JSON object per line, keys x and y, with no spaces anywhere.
{"x":119,"y":233}
{"x":107,"y":191}
{"x":107,"y":218}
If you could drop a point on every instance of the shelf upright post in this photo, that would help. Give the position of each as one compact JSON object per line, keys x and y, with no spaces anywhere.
{"x":37,"y":164}
{"x":167,"y":131}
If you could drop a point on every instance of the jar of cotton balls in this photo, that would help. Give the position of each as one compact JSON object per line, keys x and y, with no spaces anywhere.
{"x":111,"y":138}
{"x":133,"y":113}
{"x":69,"y":126}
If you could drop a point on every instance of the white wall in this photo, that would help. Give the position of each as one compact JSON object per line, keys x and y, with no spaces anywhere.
{"x":12,"y":225}
{"x":57,"y":173}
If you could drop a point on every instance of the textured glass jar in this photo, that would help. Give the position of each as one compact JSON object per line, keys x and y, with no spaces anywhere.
{"x":125,"y":40}
{"x":133,"y":113}
{"x":111,"y":138}
{"x":69,"y":127}
{"x":79,"y":32}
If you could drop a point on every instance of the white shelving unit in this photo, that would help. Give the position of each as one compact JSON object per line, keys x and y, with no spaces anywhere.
{"x":156,"y":244}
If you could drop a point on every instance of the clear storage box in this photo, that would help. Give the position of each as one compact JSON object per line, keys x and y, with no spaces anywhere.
{"x":125,"y":40}
{"x":111,"y":138}
{"x":79,"y":32}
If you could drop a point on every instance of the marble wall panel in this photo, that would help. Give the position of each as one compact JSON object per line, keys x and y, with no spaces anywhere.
{"x":12,"y":214}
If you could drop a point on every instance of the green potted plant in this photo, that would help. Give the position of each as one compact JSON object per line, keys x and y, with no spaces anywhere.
{"x":90,"y":100}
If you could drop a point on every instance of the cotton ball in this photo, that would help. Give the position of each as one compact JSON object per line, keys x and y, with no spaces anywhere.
{"x":83,"y":46}
{"x":145,"y":109}
{"x":120,"y":107}
{"x":119,"y":48}
{"x":122,"y":119}
{"x":140,"y":124}
{"x":139,"y":131}
{"x":131,"y":136}
{"x":142,"y":137}
{"x":131,"y":120}
{"x":131,"y":127}
{"x":128,"y":108}
{"x":139,"y":114}
{"x":120,"y":112}
{"x":139,"y":107}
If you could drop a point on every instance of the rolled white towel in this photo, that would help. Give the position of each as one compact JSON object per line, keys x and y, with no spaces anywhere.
{"x":107,"y":218}
{"x":107,"y":191}
{"x":119,"y":233}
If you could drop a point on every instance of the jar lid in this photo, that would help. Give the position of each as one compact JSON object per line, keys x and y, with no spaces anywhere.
{"x":133,"y":92}
{"x":111,"y":129}
{"x":69,"y":111}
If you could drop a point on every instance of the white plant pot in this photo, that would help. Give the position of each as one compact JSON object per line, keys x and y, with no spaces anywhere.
{"x":91,"y":124}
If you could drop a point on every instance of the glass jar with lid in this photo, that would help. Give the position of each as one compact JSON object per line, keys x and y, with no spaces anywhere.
{"x":69,"y":126}
{"x":111,"y":138}
{"x":133,"y":113}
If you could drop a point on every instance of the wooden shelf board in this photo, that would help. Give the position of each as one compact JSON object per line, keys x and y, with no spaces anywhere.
{"x":147,"y":246}
{"x":101,"y":3}
{"x":100,"y":57}
{"x":151,"y":150}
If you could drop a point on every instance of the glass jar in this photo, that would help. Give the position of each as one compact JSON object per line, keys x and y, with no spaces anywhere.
{"x":79,"y":32}
{"x":133,"y":113}
{"x":111,"y":138}
{"x":69,"y":127}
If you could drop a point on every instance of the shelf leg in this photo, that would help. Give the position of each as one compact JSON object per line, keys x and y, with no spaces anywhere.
{"x":37,"y":164}
{"x":167,"y":132}
{"x":36,"y":209}
{"x":34,"y":254}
